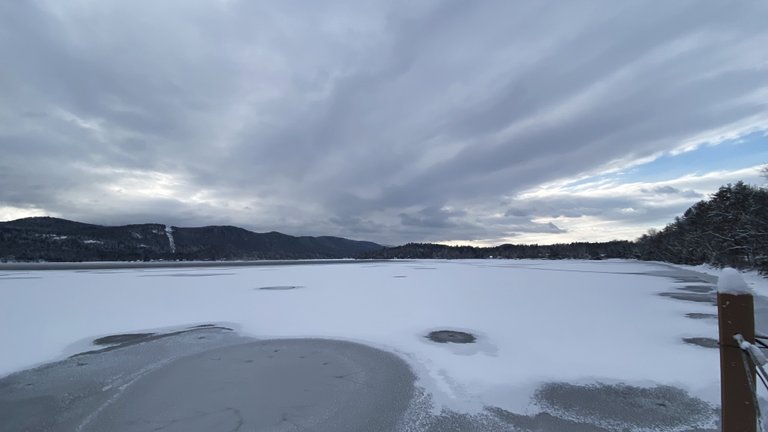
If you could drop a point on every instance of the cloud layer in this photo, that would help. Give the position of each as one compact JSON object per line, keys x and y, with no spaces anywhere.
{"x":387,"y":120}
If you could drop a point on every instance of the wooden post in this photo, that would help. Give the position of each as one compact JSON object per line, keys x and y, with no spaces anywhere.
{"x":736,"y":315}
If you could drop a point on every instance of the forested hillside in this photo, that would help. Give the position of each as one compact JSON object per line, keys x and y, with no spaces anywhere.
{"x":729,"y":229}
{"x":52,"y":239}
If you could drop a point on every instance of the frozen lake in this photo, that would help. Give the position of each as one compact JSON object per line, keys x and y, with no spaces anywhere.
{"x":578,"y":324}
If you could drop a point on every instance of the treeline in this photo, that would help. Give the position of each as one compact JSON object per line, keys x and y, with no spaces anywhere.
{"x":581,"y":250}
{"x":729,"y":229}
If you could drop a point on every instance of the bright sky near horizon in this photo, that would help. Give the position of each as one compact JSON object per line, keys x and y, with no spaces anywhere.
{"x":391,"y":121}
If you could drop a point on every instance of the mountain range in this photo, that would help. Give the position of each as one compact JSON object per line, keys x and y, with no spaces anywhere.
{"x":54,"y":239}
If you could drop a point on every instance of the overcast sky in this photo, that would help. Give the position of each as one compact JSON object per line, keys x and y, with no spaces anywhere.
{"x":458,"y":121}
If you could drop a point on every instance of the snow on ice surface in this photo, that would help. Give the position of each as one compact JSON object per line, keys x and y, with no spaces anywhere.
{"x":536,"y":321}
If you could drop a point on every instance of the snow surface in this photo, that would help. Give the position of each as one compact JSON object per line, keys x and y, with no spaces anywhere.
{"x":731,"y":282}
{"x":536,"y":321}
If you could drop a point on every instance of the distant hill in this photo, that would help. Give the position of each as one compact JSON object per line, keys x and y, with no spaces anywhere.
{"x":579,"y":250}
{"x":53,"y":239}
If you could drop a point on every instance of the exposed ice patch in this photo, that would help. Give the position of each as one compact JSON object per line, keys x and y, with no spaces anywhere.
{"x":280,"y":287}
{"x":452,"y":336}
{"x":621,"y":407}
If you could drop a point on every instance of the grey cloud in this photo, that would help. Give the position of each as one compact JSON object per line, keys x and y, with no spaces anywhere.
{"x":518,"y":212}
{"x":366,"y":227}
{"x":433,"y":217}
{"x":360,"y":118}
{"x":669,"y":190}
{"x":569,"y":206}
{"x":631,"y":209}
{"x":534,"y":227}
{"x":664,"y":190}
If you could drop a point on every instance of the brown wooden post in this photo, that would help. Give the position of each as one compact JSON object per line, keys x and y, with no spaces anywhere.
{"x":736,"y":315}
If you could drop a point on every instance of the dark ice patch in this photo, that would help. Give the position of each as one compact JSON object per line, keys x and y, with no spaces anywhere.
{"x":115,"y":342}
{"x":696,"y":315}
{"x":701,"y":289}
{"x":693,"y":297}
{"x":121,"y":338}
{"x":224,"y":382}
{"x":620,"y":406}
{"x":280,"y":287}
{"x":702,"y":342}
{"x":452,"y":336}
{"x":691,"y":279}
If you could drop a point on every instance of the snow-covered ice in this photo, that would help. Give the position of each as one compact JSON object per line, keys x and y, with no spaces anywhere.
{"x":536,"y":321}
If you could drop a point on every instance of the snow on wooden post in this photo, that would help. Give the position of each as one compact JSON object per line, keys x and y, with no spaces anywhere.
{"x":735,"y":315}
